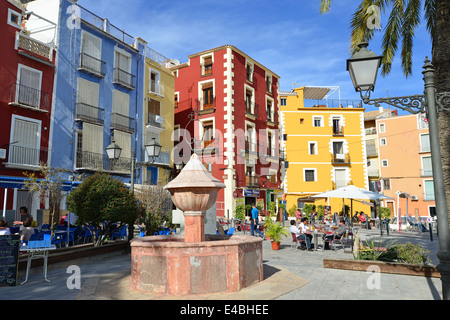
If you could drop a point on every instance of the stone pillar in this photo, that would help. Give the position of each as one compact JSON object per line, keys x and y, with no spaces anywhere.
{"x":194,"y":226}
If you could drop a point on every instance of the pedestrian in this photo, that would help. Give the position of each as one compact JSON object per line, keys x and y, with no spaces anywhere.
{"x":254,"y":222}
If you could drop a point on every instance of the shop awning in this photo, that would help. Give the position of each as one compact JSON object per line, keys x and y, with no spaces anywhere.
{"x":19,"y":183}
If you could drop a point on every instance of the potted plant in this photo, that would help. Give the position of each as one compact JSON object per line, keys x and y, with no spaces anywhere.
{"x":275,"y":231}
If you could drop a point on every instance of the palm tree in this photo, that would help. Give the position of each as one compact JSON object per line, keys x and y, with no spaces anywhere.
{"x":404,"y":18}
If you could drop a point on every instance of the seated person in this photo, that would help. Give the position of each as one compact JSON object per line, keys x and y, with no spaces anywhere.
{"x":23,"y":216}
{"x":27,"y":231}
{"x":4,"y":230}
{"x":295,"y":230}
{"x":304,"y":228}
{"x":362,"y":217}
{"x":338,"y":234}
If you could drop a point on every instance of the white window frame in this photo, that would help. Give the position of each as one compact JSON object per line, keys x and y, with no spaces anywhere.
{"x":383,"y":163}
{"x":315,"y":147}
{"x":270,"y":76}
{"x":201,"y":128}
{"x":248,"y":88}
{"x":19,"y":80}
{"x":272,"y":111}
{"x":38,"y":137}
{"x":252,"y":66}
{"x":315,"y":174}
{"x":123,"y":52}
{"x":429,"y":142}
{"x":12,"y":12}
{"x":383,"y":142}
{"x":202,"y":61}
{"x":320,"y":118}
{"x":159,"y":90}
{"x":200,"y":90}
{"x":382,"y":125}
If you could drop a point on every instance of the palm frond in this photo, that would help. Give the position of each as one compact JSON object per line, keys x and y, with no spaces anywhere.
{"x":410,"y":22}
{"x":325,"y":6}
{"x":430,"y":14}
{"x":392,"y":34}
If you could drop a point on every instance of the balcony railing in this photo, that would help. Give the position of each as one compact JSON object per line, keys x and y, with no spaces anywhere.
{"x":208,"y":104}
{"x":251,"y":108}
{"x":92,"y":65}
{"x":27,"y":156}
{"x":90,"y":113}
{"x":340,"y":158}
{"x":162,"y":159}
{"x":125,"y":79}
{"x":121,"y":165}
{"x":30,"y":98}
{"x":155,"y":120}
{"x":89,"y":161}
{"x":32,"y":45}
{"x":333,"y":103}
{"x":122,"y":122}
{"x":372,"y":130}
{"x":157,"y":88}
{"x":251,"y":181}
{"x":251,"y":147}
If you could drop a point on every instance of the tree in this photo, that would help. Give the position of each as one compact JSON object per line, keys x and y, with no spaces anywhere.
{"x":155,"y":207}
{"x":50,"y":186}
{"x":404,"y":19}
{"x":102,"y":201}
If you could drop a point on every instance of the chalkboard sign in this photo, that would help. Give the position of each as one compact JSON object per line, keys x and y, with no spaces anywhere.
{"x":9,"y":258}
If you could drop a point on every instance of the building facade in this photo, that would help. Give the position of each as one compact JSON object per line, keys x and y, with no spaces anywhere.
{"x":227,"y":112}
{"x":27,"y":64}
{"x":405,"y":165}
{"x":324,"y":145}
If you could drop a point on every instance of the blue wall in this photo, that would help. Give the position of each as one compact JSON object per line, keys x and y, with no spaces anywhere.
{"x":64,"y":127}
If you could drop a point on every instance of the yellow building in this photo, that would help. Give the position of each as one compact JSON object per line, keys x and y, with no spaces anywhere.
{"x":159,"y":103}
{"x":324,"y":144}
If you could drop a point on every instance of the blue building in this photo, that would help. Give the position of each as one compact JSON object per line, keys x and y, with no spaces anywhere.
{"x":99,"y":95}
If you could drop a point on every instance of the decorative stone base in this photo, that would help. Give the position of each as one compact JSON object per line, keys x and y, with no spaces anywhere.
{"x":169,"y":265}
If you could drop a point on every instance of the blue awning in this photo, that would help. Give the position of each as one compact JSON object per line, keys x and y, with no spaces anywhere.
{"x":19,"y":183}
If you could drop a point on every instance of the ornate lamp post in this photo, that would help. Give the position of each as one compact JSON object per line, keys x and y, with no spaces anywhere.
{"x":363,"y":67}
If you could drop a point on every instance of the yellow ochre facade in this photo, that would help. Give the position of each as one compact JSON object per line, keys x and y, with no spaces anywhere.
{"x":159,"y":104}
{"x":325,"y":148}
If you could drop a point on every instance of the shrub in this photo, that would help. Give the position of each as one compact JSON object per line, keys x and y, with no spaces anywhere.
{"x":292,"y":211}
{"x":239,"y":213}
{"x":412,"y":254}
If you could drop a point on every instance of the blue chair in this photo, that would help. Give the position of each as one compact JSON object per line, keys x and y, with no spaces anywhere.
{"x":47,"y":236}
{"x":59,"y":239}
{"x":166,"y":232}
{"x":230,"y":231}
{"x":36,"y":237}
{"x":14,"y":230}
{"x":121,"y":233}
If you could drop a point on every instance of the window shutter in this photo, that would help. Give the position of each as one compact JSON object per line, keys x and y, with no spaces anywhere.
{"x":123,"y":139}
{"x":92,"y":45}
{"x":30,"y":86}
{"x":121,"y":103}
{"x":92,"y":138}
{"x":26,"y":148}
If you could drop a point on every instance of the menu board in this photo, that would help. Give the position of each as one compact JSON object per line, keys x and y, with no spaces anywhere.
{"x":9,"y":258}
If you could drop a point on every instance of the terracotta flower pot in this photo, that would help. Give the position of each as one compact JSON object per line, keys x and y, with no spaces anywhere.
{"x":275,"y":245}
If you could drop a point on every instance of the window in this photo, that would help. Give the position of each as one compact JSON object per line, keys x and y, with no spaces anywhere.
{"x":337,"y":126}
{"x":340,"y":178}
{"x":28,"y":90}
{"x":249,"y":70}
{"x":154,"y":113}
{"x":122,"y":69}
{"x":208,"y":133}
{"x":121,"y":111}
{"x":338,"y":147}
{"x":155,"y":84}
{"x":386,"y":184}
{"x":176,"y":99}
{"x":383,"y":141}
{"x":317,"y":121}
{"x":309,"y":174}
{"x":88,"y":101}
{"x":269,"y":84}
{"x":283,"y":101}
{"x":269,"y":109}
{"x":427,"y":169}
{"x":14,"y":18}
{"x":90,"y":147}
{"x":425,"y":142}
{"x":269,"y":144}
{"x":384,"y":163}
{"x":207,"y":65}
{"x":25,"y":141}
{"x":208,"y":96}
{"x":123,"y":139}
{"x":91,"y":53}
{"x":382,"y":128}
{"x":312,"y":147}
{"x":429,"y":190}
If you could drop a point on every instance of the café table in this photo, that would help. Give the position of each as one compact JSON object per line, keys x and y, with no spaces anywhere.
{"x":36,"y":253}
{"x":316,"y":233}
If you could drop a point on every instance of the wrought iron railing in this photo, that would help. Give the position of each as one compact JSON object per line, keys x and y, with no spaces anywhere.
{"x":27,"y":156}
{"x":90,"y":113}
{"x":206,"y":104}
{"x":122,"y":122}
{"x":155,"y":120}
{"x":124,"y":78}
{"x":92,"y":65}
{"x":340,"y":158}
{"x":24,"y":96}
{"x":251,"y":181}
{"x":251,"y":108}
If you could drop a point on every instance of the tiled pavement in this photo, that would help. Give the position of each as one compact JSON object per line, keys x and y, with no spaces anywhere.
{"x":289,"y":274}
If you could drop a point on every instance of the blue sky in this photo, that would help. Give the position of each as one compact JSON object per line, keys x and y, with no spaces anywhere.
{"x":289,"y":37}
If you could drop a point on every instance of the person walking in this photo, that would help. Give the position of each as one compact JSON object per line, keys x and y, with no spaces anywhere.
{"x":254,"y":222}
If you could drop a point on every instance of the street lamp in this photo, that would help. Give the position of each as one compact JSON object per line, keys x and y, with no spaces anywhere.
{"x":363,"y":66}
{"x":113,"y":150}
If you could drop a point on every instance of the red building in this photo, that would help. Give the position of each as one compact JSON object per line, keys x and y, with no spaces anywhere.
{"x":27,"y":68}
{"x":228,"y":104}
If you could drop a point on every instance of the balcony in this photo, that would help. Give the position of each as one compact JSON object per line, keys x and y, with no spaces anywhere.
{"x":34,"y":46}
{"x":206,"y":106}
{"x":29,"y":98}
{"x":124,"y":79}
{"x":340,"y":158}
{"x":120,"y":166}
{"x":122,"y":122}
{"x":90,"y":113}
{"x":251,"y":109}
{"x":25,"y":156}
{"x":163,"y":159}
{"x":270,"y":121}
{"x":89,"y":161}
{"x":92,"y":65}
{"x":155,"y":120}
{"x":332,"y":103}
{"x":251,"y":181}
{"x":338,"y":131}
{"x":372,"y":130}
{"x":156,"y":88}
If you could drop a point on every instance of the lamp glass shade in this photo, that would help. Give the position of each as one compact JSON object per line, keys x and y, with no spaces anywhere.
{"x":363,"y":68}
{"x":113,"y":151}
{"x":153,"y":149}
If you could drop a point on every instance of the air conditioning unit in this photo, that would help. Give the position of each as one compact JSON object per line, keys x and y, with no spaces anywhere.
{"x":414,"y":198}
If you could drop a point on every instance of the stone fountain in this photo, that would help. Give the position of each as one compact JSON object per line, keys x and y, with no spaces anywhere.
{"x":195,"y":263}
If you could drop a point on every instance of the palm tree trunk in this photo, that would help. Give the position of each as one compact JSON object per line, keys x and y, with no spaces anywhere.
{"x":441,"y":62}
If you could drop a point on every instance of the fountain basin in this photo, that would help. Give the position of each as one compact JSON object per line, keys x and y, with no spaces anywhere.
{"x":169,"y":265}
